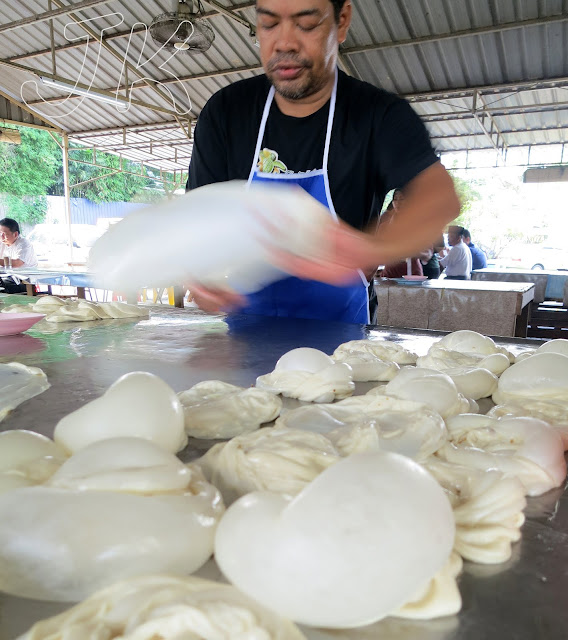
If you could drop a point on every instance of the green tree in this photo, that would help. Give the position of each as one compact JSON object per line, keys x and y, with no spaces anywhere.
{"x":27,"y":171}
{"x":468,"y":195}
{"x":118,"y":187}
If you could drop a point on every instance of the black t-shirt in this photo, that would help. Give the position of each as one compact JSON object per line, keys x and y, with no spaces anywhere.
{"x":378,"y":143}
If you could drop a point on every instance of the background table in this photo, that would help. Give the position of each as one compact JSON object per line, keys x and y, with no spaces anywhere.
{"x":81,"y":280}
{"x":549,"y":285}
{"x":522,"y":599}
{"x":492,"y":308}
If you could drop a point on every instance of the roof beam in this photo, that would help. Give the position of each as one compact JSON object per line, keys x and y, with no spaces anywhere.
{"x":127,"y":65}
{"x":480,"y":116}
{"x":119,"y":34}
{"x":496,"y":28}
{"x":495,"y":111}
{"x":505,"y":132}
{"x":33,"y":113}
{"x":48,"y":15}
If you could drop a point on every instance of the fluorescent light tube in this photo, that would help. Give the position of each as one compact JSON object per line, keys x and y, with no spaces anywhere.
{"x":88,"y":93}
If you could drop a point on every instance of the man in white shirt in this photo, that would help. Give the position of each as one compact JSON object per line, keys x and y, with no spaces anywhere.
{"x":457,"y":261}
{"x":14,"y":246}
{"x":15,"y":252}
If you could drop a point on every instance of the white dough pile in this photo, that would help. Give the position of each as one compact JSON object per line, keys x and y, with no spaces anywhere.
{"x":462,"y":351}
{"x":525,"y":448}
{"x":488,"y":510}
{"x":382,"y":349}
{"x":309,"y":375}
{"x":279,"y":460}
{"x":58,"y":310}
{"x":372,"y":423}
{"x":119,"y":508}
{"x":166,"y":608}
{"x":215,"y":409}
{"x":27,"y":458}
{"x":361,"y":540}
{"x":224,"y":238}
{"x":532,"y":384}
{"x":441,"y":596}
{"x":432,"y":388}
{"x":138,"y":404}
{"x":19,"y":383}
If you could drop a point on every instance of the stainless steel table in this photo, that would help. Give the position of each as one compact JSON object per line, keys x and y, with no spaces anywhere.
{"x":524,"y":599}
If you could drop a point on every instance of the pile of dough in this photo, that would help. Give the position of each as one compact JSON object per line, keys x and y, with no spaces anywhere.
{"x":310,"y":375}
{"x":382,"y":349}
{"x":372,"y":423}
{"x":534,"y":383}
{"x":469,"y":350}
{"x":441,"y":597}
{"x":19,"y":383}
{"x":488,"y":510}
{"x":215,"y":409}
{"x":138,"y":404}
{"x":558,"y":345}
{"x":471,"y":342}
{"x":555,"y":412}
{"x":59,"y":310}
{"x":367,"y":367}
{"x":166,"y":608}
{"x":119,"y":508}
{"x":27,"y":458}
{"x":279,"y":460}
{"x":525,"y":448}
{"x":432,"y":388}
{"x":82,"y":311}
{"x":355,"y":545}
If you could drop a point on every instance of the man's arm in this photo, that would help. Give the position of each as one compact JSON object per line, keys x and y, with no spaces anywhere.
{"x":430,"y":204}
{"x":16,"y":262}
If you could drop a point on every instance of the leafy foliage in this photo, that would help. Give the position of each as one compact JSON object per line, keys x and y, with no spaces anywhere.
{"x":34,"y":169}
{"x":27,"y":171}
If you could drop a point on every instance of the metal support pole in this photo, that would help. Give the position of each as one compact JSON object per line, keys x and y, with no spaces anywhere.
{"x":67,"y":192}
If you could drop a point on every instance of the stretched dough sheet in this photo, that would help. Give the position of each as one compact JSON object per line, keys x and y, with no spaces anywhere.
{"x":218,"y":235}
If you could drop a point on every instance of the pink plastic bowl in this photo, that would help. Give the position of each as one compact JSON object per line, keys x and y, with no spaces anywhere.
{"x":13,"y":323}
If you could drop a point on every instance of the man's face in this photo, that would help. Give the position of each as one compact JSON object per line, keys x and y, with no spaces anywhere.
{"x":453,"y":236}
{"x":298,"y":43}
{"x":8,"y":237}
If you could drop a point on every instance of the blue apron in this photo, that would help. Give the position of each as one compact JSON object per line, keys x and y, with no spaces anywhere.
{"x":295,"y":297}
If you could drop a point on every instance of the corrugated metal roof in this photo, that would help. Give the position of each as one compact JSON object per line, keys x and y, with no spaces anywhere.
{"x":458,"y":62}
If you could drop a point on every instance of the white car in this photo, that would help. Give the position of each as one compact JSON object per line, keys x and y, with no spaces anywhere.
{"x":533,"y":256}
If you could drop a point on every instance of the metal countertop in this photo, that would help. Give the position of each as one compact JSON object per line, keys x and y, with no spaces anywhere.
{"x":523,"y":599}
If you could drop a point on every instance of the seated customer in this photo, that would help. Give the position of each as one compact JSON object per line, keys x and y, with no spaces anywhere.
{"x":456,"y":261}
{"x":478,"y":257}
{"x":15,"y":252}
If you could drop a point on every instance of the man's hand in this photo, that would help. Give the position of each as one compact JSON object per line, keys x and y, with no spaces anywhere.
{"x":429,"y":205}
{"x":215,"y":300}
